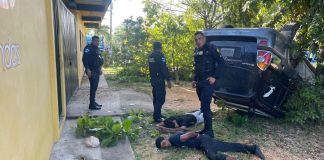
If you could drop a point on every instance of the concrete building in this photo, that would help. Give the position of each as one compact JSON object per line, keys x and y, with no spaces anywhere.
{"x":41,"y":43}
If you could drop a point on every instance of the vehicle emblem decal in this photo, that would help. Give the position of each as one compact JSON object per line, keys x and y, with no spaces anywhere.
{"x":272,"y":88}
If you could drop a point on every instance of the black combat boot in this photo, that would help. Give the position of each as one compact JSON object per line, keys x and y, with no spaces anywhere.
{"x":208,"y":129}
{"x":94,"y":107}
{"x":98,"y":105}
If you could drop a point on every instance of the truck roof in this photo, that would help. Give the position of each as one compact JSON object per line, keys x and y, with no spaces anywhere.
{"x":249,"y":32}
{"x":276,"y":39}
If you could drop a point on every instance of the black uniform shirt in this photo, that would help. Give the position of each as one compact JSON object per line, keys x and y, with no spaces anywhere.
{"x":91,"y":58}
{"x":207,"y":63}
{"x":158,"y":67}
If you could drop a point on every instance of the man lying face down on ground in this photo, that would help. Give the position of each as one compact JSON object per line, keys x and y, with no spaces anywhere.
{"x":181,"y":122}
{"x":211,"y":147}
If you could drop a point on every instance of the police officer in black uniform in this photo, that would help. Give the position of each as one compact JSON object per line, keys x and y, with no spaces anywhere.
{"x":158,"y":73}
{"x":207,"y":63}
{"x":92,"y":62}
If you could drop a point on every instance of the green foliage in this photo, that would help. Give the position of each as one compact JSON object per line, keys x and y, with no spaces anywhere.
{"x":104,"y":31}
{"x":154,"y":133}
{"x":206,"y":11}
{"x":129,"y":44}
{"x":221,"y":104}
{"x":174,"y":31}
{"x":145,"y":123}
{"x":82,"y":124}
{"x":136,"y":115}
{"x":105,"y":56}
{"x":237,"y":119}
{"x":267,"y":13}
{"x":307,"y":103}
{"x":131,"y":74}
{"x":133,"y":39}
{"x":133,"y":43}
{"x":107,"y":130}
{"x":310,"y":14}
{"x":130,"y":51}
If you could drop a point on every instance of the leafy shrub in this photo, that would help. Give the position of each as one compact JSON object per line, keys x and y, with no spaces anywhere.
{"x":220,"y":104}
{"x":136,"y":115}
{"x":105,"y":56}
{"x":236,"y":119}
{"x":107,"y":130}
{"x":307,"y":103}
{"x":132,"y":73}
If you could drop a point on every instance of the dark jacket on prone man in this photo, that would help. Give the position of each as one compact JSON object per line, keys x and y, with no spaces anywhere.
{"x":212,"y":148}
{"x":185,"y":120}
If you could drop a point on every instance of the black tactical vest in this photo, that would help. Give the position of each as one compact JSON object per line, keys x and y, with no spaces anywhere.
{"x":204,"y":63}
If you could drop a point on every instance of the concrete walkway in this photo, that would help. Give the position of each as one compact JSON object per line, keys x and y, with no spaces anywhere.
{"x":79,"y":103}
{"x":115,"y":103}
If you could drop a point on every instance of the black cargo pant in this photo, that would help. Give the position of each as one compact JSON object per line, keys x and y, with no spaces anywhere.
{"x":94,"y":81}
{"x":205,"y":91}
{"x":213,"y":147}
{"x":159,"y":93}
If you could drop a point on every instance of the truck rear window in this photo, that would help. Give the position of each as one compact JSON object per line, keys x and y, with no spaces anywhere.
{"x":231,"y":38}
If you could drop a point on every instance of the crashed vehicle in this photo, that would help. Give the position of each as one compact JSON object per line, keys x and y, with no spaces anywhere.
{"x":258,"y":74}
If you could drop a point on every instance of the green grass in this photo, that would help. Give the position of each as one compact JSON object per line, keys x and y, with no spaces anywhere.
{"x":223,"y":130}
{"x":268,"y":133}
{"x":255,"y":130}
{"x":122,"y":76}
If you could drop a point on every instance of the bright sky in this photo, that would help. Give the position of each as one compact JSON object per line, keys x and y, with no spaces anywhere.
{"x":123,"y":9}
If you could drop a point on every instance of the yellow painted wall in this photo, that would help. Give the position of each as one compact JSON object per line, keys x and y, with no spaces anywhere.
{"x":26,"y":91}
{"x":57,"y":127}
{"x":80,"y":45}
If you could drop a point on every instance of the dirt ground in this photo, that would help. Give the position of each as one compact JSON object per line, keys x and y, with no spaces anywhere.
{"x":278,"y":140}
{"x":182,"y":98}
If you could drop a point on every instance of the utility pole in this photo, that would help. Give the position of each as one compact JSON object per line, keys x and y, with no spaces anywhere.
{"x":111,"y":10}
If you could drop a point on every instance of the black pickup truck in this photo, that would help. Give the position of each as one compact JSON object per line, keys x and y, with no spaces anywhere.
{"x":258,"y":75}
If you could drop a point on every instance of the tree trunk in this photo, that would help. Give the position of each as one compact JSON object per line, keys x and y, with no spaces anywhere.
{"x":176,"y":71}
